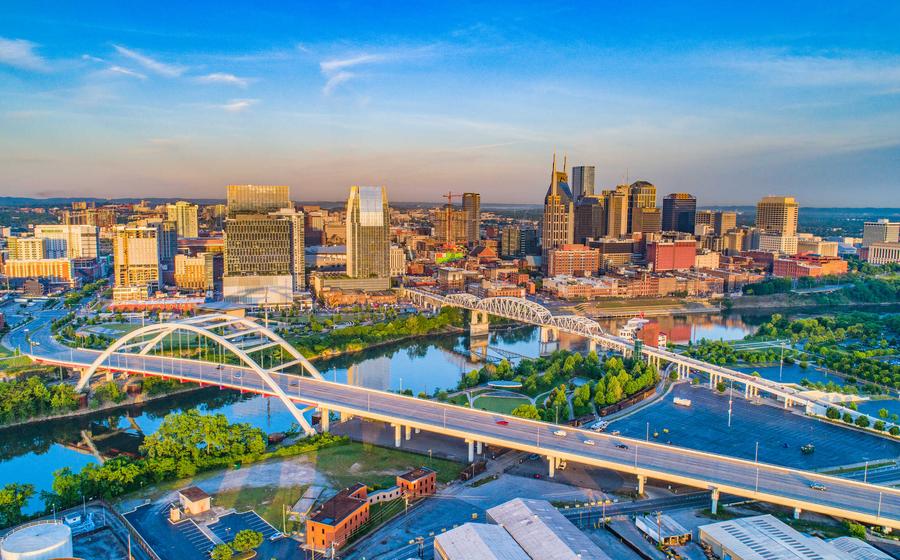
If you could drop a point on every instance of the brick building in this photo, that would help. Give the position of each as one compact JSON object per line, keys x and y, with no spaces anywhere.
{"x":418,"y":483}
{"x":338,"y":518}
{"x":678,"y":254}
{"x":808,"y":265}
{"x":572,"y":259}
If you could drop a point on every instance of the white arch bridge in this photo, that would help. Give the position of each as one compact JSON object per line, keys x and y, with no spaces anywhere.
{"x":240,"y":354}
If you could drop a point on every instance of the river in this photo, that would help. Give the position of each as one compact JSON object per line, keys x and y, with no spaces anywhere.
{"x":32,"y":453}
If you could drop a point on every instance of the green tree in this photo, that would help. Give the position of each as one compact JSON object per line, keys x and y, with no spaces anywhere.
{"x":847,"y":417}
{"x":526,"y":411}
{"x":856,"y":530}
{"x":13,"y":498}
{"x":894,"y":431}
{"x":246,"y":540}
{"x":833,"y":413}
{"x":222,"y":552}
{"x":862,"y":421}
{"x":883,"y":413}
{"x":720,"y":386}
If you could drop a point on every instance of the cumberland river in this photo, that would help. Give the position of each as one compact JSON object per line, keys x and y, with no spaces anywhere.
{"x":32,"y":453}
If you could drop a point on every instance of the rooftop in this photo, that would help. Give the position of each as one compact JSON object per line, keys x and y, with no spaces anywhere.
{"x":477,"y":540}
{"x":763,"y":537}
{"x":416,"y":474}
{"x":193,"y":493}
{"x":543,"y":532}
{"x":340,"y":507}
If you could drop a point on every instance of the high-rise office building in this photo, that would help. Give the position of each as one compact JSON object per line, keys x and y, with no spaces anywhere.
{"x":582,"y":181}
{"x":472,"y":207}
{"x":617,"y":212}
{"x":559,"y":214}
{"x":451,"y":225}
{"x":26,"y":248}
{"x":368,"y":233}
{"x":69,"y":241}
{"x":881,"y":231}
{"x":679,"y":212}
{"x":641,"y":194}
{"x":260,"y":199}
{"x":136,"y":261}
{"x":184,"y":214}
{"x":723,"y":222}
{"x":590,"y":218}
{"x":777,"y":214}
{"x":510,"y":242}
{"x":646,"y":220}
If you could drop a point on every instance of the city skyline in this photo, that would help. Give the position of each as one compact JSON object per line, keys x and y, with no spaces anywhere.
{"x":102,"y":102}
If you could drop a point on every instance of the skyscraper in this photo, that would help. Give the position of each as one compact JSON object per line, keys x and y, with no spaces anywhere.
{"x":472,"y":208}
{"x":559,"y":214}
{"x":590,"y":218}
{"x":451,"y":225}
{"x":641,"y":194}
{"x":679,"y":212}
{"x":617,"y":212}
{"x":257,"y":198}
{"x":582,"y":181}
{"x":136,"y":261}
{"x":368,"y":233}
{"x":778,"y":214}
{"x":69,"y":242}
{"x":184,"y":214}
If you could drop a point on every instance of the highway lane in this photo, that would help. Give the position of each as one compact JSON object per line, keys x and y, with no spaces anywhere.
{"x":873,"y":504}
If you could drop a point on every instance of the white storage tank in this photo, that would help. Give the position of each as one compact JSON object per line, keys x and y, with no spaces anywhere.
{"x":37,"y":541}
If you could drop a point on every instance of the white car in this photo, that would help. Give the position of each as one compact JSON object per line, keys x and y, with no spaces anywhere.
{"x":560,"y":433}
{"x":589,"y":442}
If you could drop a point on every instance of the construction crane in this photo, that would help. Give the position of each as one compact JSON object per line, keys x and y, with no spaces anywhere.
{"x":449,"y":196}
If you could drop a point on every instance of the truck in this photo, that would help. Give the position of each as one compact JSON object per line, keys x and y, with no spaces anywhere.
{"x":682,"y":402}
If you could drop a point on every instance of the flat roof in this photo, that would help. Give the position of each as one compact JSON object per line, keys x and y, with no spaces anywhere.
{"x":855,"y":549}
{"x":193,"y":493}
{"x":665,"y":526}
{"x":543,"y":532}
{"x":338,"y":508}
{"x":479,"y":540}
{"x":416,"y":474}
{"x":763,"y":537}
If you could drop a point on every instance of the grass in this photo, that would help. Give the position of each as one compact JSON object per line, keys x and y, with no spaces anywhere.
{"x":500,"y":405}
{"x":459,"y":400}
{"x":267,"y":501}
{"x":362,"y":462}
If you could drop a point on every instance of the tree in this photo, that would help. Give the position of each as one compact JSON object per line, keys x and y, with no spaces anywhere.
{"x":894,"y":431}
{"x":883,"y":413}
{"x":526,"y":411}
{"x":862,"y":421}
{"x":720,"y":386}
{"x":879,"y":425}
{"x":847,"y":417}
{"x":856,"y":530}
{"x":247,"y":540}
{"x":222,"y":552}
{"x":832,"y":413}
{"x":13,"y":498}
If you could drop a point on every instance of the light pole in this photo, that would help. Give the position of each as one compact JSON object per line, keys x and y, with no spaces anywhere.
{"x":781,"y":363}
{"x":866,"y":472}
{"x":648,"y":431}
{"x":756,"y":460}
{"x":730,"y":400}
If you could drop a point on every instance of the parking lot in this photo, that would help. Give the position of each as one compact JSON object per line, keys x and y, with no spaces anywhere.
{"x":230,"y":525}
{"x":780,"y":433}
{"x":170,"y":541}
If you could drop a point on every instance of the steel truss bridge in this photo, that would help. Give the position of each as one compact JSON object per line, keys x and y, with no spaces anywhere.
{"x":232,"y":353}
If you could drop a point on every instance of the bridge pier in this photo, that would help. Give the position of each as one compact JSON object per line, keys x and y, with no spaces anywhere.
{"x":479,"y":324}
{"x":714,"y":506}
{"x":549,"y":334}
{"x":797,"y":513}
{"x":471,"y":450}
{"x":325,"y":422}
{"x":641,"y":480}
{"x":397,"y":435}
{"x":408,"y":433}
{"x":592,"y":345}
{"x":552,"y":461}
{"x":346,"y":416}
{"x":478,"y":448}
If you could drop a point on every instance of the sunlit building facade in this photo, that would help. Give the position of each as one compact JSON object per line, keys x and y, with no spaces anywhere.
{"x":368,"y":233}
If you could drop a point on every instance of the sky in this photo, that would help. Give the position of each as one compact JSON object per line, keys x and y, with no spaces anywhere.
{"x":729,"y":101}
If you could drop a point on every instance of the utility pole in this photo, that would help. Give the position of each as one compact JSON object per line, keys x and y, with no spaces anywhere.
{"x":730,"y":399}
{"x":781,"y":363}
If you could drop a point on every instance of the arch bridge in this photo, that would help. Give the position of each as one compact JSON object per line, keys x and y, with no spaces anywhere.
{"x":217,"y":338}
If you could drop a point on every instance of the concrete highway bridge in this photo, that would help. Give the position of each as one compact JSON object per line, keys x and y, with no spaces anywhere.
{"x":526,"y":311}
{"x":235,"y":352}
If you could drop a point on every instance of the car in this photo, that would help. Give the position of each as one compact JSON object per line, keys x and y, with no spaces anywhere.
{"x":621,"y":446}
{"x":503,"y":422}
{"x":559,"y":433}
{"x":590,"y":442}
{"x":615,"y":433}
{"x":818,"y":486}
{"x":534,"y":457}
{"x":536,"y":475}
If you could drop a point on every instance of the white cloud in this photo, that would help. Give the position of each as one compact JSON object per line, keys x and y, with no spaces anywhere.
{"x":122,"y":71}
{"x":832,"y":69}
{"x":335,"y":70}
{"x":223,"y":78}
{"x":19,"y":53}
{"x":238,"y":105}
{"x":155,"y":66}
{"x":336,"y":80}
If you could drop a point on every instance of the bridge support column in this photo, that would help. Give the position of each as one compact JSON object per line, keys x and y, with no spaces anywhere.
{"x":397,"y":435}
{"x":478,"y":447}
{"x":641,"y":479}
{"x":747,"y":392}
{"x":408,"y":432}
{"x":345,"y":416}
{"x":887,"y":530}
{"x":417,"y":430}
{"x":552,"y":461}
{"x":797,"y":513}
{"x":714,"y":506}
{"x":471,"y":450}
{"x":325,"y":423}
{"x":478,"y":323}
{"x":592,"y":345}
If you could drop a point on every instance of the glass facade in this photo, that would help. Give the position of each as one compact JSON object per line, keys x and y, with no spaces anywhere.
{"x":368,"y":233}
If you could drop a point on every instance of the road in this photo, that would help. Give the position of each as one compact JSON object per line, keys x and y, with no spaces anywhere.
{"x":789,"y":487}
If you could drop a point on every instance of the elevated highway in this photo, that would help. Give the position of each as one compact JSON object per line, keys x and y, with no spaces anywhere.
{"x":303,"y":390}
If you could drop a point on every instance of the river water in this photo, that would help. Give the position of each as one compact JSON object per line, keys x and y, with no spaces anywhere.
{"x":32,"y":453}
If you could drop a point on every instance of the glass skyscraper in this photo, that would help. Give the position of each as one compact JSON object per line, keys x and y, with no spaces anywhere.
{"x":368,"y":233}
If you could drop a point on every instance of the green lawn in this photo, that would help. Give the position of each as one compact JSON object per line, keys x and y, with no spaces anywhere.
{"x":267,"y":501}
{"x":369,"y":464}
{"x":459,"y":400}
{"x":502,"y":405}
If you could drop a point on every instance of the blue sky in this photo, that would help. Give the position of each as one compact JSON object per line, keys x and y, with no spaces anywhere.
{"x":725,"y":100}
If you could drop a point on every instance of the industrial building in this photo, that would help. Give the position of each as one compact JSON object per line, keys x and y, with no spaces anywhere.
{"x":477,"y":540}
{"x":44,"y":540}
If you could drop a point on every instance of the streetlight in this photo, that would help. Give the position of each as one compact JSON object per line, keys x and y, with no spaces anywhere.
{"x":781,"y":363}
{"x":756,"y":460}
{"x":648,"y":431}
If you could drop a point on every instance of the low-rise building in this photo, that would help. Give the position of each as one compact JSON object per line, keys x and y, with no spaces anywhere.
{"x":678,"y":254}
{"x":778,"y":243}
{"x":573,"y":260}
{"x":808,"y":266}
{"x":332,"y":524}
{"x":764,"y":537}
{"x":417,"y":483}
{"x":477,"y":540}
{"x":706,"y":260}
{"x":55,"y":270}
{"x":881,"y":253}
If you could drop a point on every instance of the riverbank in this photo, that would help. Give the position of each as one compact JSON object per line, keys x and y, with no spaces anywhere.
{"x":338,"y":353}
{"x":774,"y":302}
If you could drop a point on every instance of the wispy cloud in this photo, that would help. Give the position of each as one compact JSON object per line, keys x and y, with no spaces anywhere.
{"x":20,"y":53}
{"x":337,"y":70}
{"x":122,"y":71}
{"x":151,"y":64}
{"x":238,"y":105}
{"x":829,"y":69}
{"x":223,"y":78}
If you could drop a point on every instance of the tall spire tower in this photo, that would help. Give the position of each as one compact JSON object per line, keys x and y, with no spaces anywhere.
{"x":559,"y":213}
